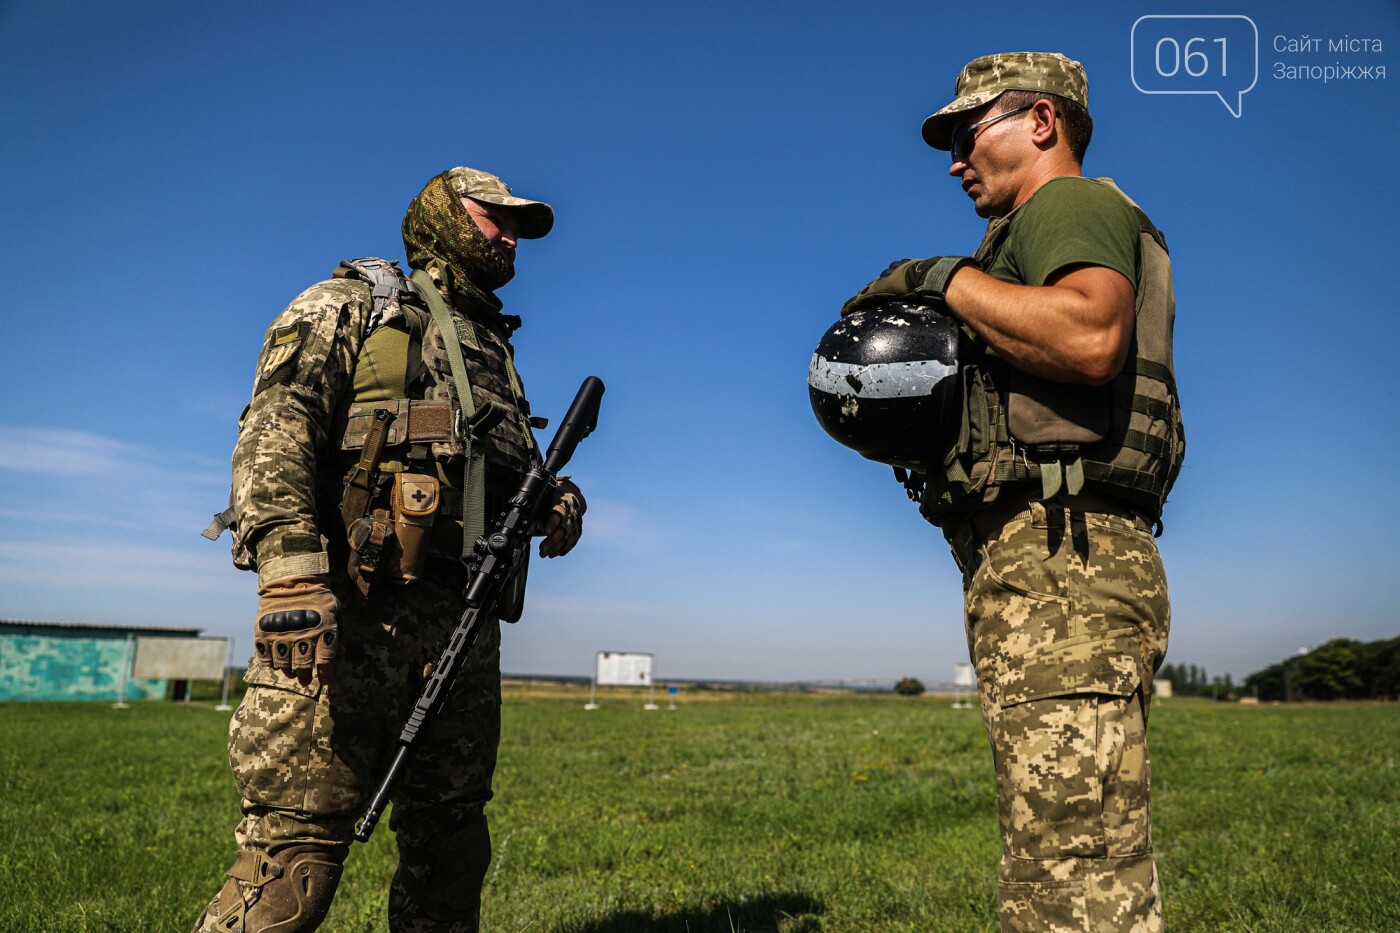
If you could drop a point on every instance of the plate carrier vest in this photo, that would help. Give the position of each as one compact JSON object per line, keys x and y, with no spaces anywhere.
{"x":1124,"y":440}
{"x":425,"y":435}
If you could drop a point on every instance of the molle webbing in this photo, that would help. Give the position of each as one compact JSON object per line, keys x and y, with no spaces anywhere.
{"x":494,"y":384}
{"x":416,"y":422}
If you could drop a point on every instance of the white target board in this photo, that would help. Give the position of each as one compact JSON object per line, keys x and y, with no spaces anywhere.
{"x":180,"y":658}
{"x":624,"y":669}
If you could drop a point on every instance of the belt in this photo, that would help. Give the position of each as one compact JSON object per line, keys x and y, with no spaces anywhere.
{"x":987,"y":523}
{"x":967,"y":538}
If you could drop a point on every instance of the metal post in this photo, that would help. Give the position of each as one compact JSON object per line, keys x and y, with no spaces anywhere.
{"x":126,"y":666}
{"x":228,"y":664}
{"x":593,"y":690}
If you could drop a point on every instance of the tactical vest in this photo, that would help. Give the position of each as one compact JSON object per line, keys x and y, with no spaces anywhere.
{"x":405,"y":360}
{"x":479,"y":450}
{"x":1124,"y":440}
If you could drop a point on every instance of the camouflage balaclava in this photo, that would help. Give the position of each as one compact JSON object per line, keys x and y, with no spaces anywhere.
{"x":440,"y":237}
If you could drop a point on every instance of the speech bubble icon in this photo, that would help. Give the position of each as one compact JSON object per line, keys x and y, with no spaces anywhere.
{"x":1207,"y":54}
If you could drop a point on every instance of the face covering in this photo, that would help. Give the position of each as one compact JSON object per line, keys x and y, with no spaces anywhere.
{"x":440,"y":237}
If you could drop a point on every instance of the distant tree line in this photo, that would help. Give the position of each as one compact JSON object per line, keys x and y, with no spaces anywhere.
{"x":1188,"y":680}
{"x":1341,"y":669}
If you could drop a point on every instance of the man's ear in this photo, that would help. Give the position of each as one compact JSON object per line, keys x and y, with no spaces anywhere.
{"x":1045,"y":114}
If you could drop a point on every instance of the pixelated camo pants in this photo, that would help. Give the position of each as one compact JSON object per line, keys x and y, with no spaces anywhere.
{"x":306,"y":757}
{"x":1067,"y":617}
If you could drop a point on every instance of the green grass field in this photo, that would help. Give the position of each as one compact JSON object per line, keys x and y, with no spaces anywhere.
{"x":735,"y":812}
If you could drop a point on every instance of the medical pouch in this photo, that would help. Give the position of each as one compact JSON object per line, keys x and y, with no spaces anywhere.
{"x":417,"y":498}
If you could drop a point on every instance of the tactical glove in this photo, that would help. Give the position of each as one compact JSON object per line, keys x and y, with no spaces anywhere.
{"x":923,"y":280}
{"x":563,"y":525}
{"x":296,"y":627}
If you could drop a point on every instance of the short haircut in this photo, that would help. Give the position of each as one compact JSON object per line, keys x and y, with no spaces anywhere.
{"x":1079,"y":126}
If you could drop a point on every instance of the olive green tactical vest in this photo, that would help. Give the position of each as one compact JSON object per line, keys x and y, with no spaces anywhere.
{"x":1124,"y":440}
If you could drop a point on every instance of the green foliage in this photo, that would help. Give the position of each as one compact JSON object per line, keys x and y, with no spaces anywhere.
{"x":1341,"y":669}
{"x":1270,"y":684}
{"x":746,"y":812}
{"x":909,"y":687}
{"x":1329,"y":672}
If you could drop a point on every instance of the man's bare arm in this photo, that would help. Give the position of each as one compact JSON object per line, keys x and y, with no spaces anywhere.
{"x":1075,"y":328}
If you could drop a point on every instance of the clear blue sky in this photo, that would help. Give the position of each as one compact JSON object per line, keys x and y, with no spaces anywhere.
{"x":724,"y":175}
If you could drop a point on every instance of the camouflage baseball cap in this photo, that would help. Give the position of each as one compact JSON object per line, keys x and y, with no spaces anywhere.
{"x":536,"y":217}
{"x":984,"y":79}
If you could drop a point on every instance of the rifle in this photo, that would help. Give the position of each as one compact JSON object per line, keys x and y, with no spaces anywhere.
{"x":495,"y":556}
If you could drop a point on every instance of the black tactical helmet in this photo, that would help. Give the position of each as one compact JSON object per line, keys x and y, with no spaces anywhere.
{"x":884,"y":382}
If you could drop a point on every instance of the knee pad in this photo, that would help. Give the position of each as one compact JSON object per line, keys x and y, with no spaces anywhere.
{"x":439,"y":879}
{"x":289,"y":892}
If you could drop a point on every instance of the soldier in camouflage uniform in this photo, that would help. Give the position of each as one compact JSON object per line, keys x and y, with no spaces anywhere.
{"x":344,"y":642}
{"x":1050,"y":492}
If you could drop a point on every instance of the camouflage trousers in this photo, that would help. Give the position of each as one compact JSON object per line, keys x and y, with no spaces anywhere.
{"x":306,"y":757}
{"x":1067,"y":615}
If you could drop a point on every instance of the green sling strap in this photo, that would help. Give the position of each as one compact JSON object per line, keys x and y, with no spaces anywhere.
{"x":474,"y":469}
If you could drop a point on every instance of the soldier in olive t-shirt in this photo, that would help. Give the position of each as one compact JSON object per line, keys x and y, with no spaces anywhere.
{"x":1065,"y":446}
{"x":1069,"y":221}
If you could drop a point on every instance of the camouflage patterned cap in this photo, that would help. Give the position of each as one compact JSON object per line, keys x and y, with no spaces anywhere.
{"x":984,"y":79}
{"x":536,"y":217}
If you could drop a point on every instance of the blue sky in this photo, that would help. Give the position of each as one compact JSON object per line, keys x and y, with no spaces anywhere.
{"x":724,"y":175}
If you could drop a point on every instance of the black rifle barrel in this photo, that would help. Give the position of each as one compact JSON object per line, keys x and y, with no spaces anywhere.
{"x":498,"y":552}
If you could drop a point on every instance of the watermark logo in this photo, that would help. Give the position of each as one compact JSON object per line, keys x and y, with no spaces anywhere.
{"x":1209,"y":54}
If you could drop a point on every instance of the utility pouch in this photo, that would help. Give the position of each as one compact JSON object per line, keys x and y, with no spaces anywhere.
{"x":370,"y":538}
{"x":416,"y":500}
{"x":1039,"y":411}
{"x":1054,"y":421}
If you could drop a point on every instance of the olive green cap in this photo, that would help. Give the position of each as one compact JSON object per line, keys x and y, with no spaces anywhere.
{"x":536,"y":217}
{"x":985,"y":79}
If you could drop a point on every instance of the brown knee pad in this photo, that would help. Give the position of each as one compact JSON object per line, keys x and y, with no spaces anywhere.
{"x":289,"y":892}
{"x":438,"y":883}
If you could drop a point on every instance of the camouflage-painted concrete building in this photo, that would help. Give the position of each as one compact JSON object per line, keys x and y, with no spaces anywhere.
{"x":67,"y":661}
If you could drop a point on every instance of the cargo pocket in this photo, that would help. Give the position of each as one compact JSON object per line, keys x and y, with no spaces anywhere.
{"x":272,"y":738}
{"x":1062,"y":749}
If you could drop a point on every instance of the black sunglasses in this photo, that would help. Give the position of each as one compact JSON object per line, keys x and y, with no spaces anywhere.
{"x":963,"y":136}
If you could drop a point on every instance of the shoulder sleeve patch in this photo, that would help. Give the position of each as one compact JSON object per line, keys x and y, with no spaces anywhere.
{"x":279,"y":358}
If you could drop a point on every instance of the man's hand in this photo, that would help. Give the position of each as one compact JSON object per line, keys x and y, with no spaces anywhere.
{"x":563,"y":526}
{"x":897,"y":280}
{"x":922,"y":280}
{"x":296,"y":627}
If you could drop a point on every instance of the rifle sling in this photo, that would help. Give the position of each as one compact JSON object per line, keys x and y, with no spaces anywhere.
{"x":474,"y":467}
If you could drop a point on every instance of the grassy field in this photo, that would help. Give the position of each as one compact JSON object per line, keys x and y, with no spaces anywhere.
{"x":735,"y":812}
